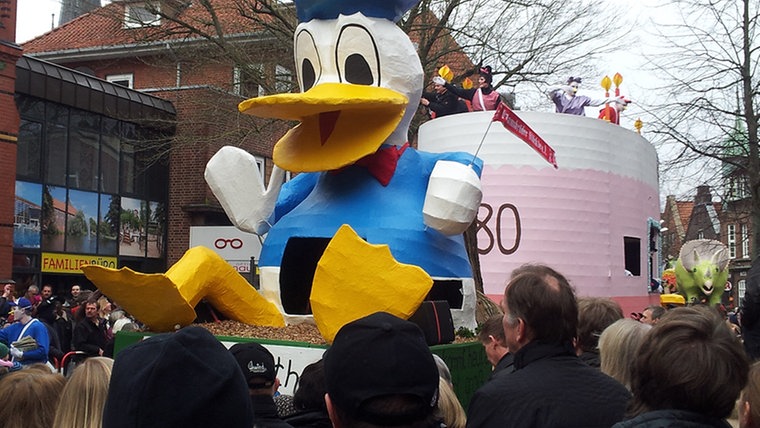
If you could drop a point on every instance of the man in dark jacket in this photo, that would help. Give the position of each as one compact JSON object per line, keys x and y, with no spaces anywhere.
{"x":491,"y":336}
{"x":551,"y":386}
{"x":442,"y":102}
{"x":90,"y":335}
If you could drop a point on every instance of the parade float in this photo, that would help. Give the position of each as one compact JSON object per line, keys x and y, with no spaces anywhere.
{"x":369,"y":224}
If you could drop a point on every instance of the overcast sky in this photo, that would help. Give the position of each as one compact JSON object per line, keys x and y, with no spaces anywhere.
{"x":34,"y":18}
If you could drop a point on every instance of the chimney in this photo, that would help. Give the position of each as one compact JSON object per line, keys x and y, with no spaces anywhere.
{"x":704,"y":197}
{"x":71,"y":9}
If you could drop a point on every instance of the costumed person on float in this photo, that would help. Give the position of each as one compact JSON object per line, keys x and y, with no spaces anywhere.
{"x":611,"y":112}
{"x":482,"y":98}
{"x":566,"y":99}
{"x":442,"y":102}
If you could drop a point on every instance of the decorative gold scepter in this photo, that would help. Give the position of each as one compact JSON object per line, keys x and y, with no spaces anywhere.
{"x":606,"y":83}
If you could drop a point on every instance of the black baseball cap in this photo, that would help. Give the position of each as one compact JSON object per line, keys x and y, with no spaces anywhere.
{"x":376,"y":356}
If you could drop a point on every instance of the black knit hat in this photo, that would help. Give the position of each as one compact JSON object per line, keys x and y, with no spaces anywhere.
{"x":184,"y":379}
{"x":381,"y":355}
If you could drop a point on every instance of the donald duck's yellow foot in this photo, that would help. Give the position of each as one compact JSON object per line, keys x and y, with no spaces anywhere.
{"x":355,"y":278}
{"x":165,"y":301}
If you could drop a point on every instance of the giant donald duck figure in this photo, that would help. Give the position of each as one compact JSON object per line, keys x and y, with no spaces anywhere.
{"x":369,"y":223}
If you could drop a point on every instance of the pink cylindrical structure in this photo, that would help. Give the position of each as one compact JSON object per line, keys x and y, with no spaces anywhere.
{"x":590,"y":219}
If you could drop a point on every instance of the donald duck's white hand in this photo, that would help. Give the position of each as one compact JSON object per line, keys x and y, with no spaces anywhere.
{"x":233,"y":176}
{"x":453,"y":197}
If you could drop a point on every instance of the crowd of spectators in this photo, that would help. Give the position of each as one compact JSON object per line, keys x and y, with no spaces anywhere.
{"x":52,"y":326}
{"x":559,"y":360}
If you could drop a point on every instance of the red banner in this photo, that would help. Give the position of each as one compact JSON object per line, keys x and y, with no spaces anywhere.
{"x":517,"y":126}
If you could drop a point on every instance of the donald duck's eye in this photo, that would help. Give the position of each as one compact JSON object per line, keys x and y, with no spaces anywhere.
{"x":307,"y":60}
{"x":357,"y":70}
{"x":356,"y":56}
{"x":308,"y":77}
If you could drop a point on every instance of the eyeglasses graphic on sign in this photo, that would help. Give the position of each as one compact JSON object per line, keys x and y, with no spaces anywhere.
{"x":222,"y":243}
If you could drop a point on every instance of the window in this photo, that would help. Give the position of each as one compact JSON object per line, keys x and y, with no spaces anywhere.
{"x":742,"y":284}
{"x":84,"y":151}
{"x":745,"y":241}
{"x":56,"y":138}
{"x":127,"y":165}
{"x":28,"y":149}
{"x":738,"y":188}
{"x":109,"y":156}
{"x":245,"y":80}
{"x":283,"y":79}
{"x":139,"y":15}
{"x":731,"y":238}
{"x":126,"y":80}
{"x":83,"y":158}
{"x":632,"y":248}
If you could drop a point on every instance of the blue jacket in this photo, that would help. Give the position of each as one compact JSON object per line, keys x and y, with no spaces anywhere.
{"x":38,"y":332}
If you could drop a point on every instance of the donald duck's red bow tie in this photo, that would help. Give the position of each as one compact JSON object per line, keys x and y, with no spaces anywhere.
{"x":382,"y":163}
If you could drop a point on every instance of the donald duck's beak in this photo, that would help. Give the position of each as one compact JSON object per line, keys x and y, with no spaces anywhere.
{"x":340,"y":124}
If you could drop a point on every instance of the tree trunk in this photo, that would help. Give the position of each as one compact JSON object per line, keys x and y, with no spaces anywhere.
{"x":471,"y":244}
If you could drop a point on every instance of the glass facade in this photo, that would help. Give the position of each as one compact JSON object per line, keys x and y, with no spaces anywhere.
{"x":87,"y":185}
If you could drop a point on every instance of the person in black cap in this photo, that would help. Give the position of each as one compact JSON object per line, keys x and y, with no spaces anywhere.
{"x":257,"y":364}
{"x":380,"y":372}
{"x":185,"y":379}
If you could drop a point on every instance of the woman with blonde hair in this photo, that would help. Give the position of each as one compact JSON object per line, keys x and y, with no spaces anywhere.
{"x":29,"y":397}
{"x":84,"y":396}
{"x":618,"y":348}
{"x":450,"y":410}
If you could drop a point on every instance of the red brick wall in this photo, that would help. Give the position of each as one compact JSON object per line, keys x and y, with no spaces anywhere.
{"x":9,"y":123}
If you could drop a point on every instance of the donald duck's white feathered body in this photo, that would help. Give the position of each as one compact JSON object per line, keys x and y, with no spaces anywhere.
{"x":361,"y":80}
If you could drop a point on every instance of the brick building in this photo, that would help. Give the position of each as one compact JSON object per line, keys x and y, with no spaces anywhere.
{"x":104,"y":176}
{"x":736,"y":220}
{"x":675,"y":220}
{"x":10,"y":52}
{"x":89,"y":187}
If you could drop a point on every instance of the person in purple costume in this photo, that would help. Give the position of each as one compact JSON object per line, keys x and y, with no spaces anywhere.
{"x":567,"y":101}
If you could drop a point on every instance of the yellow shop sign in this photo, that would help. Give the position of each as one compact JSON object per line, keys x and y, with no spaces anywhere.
{"x":72,"y":263}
